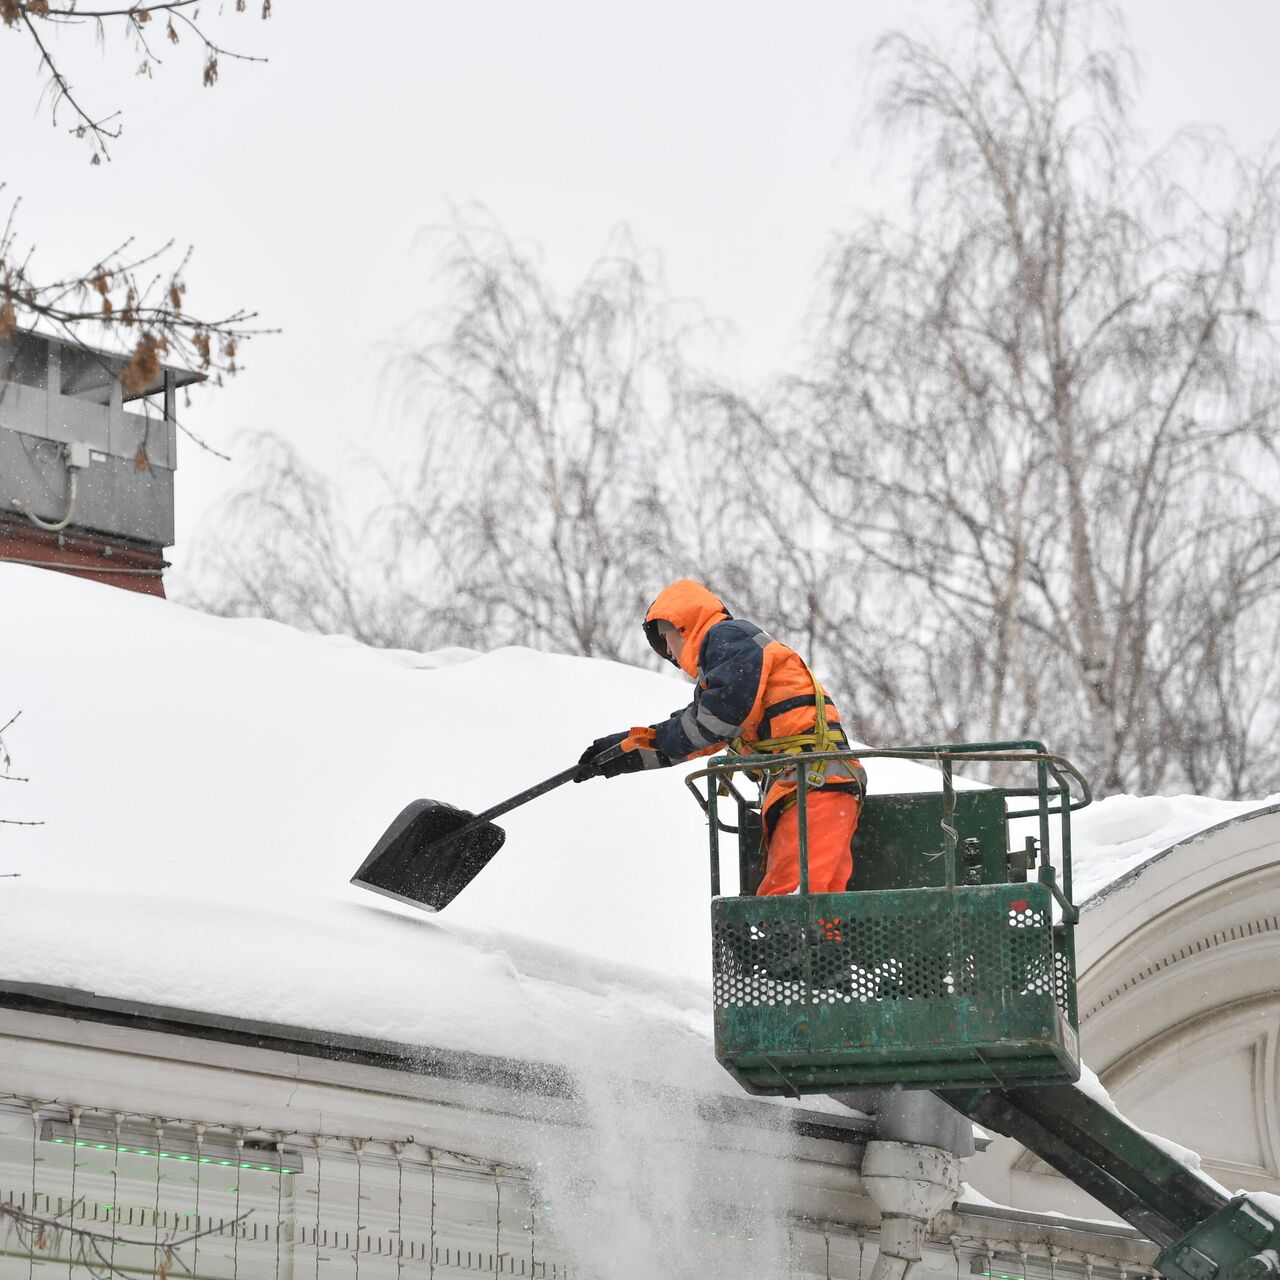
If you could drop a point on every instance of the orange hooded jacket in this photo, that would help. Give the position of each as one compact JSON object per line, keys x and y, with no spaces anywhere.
{"x":751,"y":690}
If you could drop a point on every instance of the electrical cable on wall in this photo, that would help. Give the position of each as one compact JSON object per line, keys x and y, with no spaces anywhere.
{"x":54,"y":527}
{"x":73,"y":464}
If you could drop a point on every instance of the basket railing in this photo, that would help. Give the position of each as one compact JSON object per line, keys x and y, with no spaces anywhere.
{"x":1052,"y":793}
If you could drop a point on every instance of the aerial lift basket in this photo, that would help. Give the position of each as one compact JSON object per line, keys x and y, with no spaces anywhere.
{"x":944,"y":965}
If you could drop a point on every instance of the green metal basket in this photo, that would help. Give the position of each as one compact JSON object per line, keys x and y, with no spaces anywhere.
{"x":944,"y":966}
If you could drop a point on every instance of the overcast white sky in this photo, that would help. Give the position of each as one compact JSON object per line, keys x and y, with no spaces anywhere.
{"x":724,"y":134}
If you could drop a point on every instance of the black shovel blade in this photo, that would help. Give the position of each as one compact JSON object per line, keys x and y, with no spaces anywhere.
{"x":404,"y":864}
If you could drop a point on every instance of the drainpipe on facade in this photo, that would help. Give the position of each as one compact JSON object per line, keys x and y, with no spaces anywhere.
{"x":909,"y":1184}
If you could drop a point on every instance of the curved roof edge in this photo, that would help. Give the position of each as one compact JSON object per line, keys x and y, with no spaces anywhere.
{"x":1135,"y":872}
{"x":449,"y":1064}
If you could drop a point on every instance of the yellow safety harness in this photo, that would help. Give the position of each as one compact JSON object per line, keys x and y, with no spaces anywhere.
{"x":821,"y":738}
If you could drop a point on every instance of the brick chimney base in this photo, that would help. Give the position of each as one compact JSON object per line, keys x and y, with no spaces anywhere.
{"x":131,"y":565}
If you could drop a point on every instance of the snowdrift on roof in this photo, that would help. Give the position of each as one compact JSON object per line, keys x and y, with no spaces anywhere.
{"x":207,"y":787}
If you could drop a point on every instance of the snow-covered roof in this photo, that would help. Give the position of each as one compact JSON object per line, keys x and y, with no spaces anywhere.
{"x":1115,"y":838}
{"x":208,"y":786}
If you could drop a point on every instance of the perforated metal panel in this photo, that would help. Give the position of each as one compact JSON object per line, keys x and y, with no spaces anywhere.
{"x":924,"y":987}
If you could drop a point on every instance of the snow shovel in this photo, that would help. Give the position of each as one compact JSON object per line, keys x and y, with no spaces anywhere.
{"x":432,"y":851}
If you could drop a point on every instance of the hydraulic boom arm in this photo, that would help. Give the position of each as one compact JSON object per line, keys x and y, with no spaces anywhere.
{"x":1204,"y":1234}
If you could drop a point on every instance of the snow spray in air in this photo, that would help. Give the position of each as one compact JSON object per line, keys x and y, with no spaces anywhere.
{"x":648,"y":1179}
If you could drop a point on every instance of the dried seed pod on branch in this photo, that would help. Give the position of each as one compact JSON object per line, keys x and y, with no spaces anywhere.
{"x":38,"y":19}
{"x":135,"y":301}
{"x":129,"y":298}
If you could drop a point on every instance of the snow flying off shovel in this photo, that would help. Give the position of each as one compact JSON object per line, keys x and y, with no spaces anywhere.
{"x":432,"y":851}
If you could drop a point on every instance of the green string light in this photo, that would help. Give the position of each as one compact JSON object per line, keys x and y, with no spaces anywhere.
{"x":177,"y":1155}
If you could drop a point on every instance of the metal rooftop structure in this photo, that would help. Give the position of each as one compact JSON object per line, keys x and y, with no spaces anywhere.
{"x":86,"y":467}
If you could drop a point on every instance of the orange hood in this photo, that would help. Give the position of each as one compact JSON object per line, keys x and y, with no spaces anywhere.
{"x":689,"y":606}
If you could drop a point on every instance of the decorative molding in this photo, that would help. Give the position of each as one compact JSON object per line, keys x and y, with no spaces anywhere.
{"x":1248,"y":1025}
{"x":1237,"y":932}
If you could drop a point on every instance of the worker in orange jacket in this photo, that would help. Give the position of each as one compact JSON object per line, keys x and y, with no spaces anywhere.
{"x":756,"y":696}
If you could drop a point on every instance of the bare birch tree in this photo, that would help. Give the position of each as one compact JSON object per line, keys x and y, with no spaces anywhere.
{"x":1047,"y":414}
{"x":1025,"y":488}
{"x":288,"y":549}
{"x":533,"y":500}
{"x":541,"y":431}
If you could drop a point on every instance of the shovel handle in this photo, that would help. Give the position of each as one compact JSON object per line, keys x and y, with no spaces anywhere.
{"x":523,"y":797}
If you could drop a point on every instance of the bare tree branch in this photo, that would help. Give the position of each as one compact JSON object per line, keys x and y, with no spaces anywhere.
{"x":126,"y":297}
{"x":29,"y":14}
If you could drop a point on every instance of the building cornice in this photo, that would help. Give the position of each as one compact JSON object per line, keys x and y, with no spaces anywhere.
{"x":1193,"y":950}
{"x":544,"y":1080}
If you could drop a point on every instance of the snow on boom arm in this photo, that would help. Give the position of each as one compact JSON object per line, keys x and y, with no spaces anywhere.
{"x":947,"y":967}
{"x":1203,"y":1234}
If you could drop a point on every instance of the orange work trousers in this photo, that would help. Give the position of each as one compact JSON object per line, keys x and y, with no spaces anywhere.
{"x":832,"y":819}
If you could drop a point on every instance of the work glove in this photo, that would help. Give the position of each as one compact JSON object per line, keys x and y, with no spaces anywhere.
{"x":591,"y":766}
